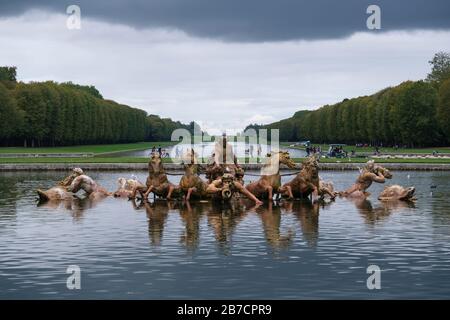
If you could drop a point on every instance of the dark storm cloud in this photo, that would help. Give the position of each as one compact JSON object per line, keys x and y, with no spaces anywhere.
{"x":254,"y":20}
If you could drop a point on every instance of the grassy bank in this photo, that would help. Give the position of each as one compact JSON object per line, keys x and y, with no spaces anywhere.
{"x":349,"y":148}
{"x":102,"y":154}
{"x":168,"y":160}
{"x":96,"y":149}
{"x":99,"y":150}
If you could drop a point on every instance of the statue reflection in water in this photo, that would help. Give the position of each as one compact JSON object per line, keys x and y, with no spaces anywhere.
{"x":157,"y":213}
{"x":307,"y":214}
{"x":77,"y":206}
{"x":224,"y":217}
{"x":374,"y":214}
{"x":191,"y":216}
{"x":270,"y":215}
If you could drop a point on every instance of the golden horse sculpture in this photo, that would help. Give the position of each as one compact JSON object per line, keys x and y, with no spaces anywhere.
{"x":270,"y":181}
{"x":157,"y":181}
{"x":369,"y":174}
{"x":191,"y":185}
{"x":307,"y":182}
{"x":221,"y":188}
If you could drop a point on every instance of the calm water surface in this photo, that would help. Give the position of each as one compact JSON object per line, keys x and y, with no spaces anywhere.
{"x":170,"y":250}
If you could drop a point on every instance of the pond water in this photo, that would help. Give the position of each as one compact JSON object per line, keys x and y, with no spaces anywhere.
{"x":204,"y":150}
{"x":170,"y":250}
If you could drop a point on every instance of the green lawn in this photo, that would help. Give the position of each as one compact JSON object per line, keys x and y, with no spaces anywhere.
{"x":96,"y":149}
{"x":77,"y":160}
{"x":168,"y":160}
{"x":382,"y":150}
{"x":363,"y":160}
{"x":101,"y":154}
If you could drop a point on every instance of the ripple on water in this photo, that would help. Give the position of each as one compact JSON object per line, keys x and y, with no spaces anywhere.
{"x":291,"y":250}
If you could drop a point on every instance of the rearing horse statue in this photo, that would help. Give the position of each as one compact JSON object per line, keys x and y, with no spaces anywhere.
{"x":270,"y":181}
{"x":157,"y":181}
{"x":306,"y":182}
{"x":191,"y":185}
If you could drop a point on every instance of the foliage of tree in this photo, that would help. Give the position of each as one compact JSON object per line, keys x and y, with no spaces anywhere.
{"x":88,"y":89}
{"x":51,"y":114}
{"x":11,"y":118}
{"x":8,"y":73}
{"x":443,"y":111}
{"x":160,"y":129}
{"x":410,"y":114}
{"x":440,"y":68}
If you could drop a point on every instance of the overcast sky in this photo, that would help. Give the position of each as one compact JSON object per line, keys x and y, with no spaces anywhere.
{"x":224,"y":64}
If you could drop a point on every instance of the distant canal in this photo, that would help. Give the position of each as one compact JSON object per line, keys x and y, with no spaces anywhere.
{"x":204,"y":250}
{"x":204,"y":150}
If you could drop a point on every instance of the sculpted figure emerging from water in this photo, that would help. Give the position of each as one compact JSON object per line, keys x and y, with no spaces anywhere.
{"x":225,"y":187}
{"x":55,"y":193}
{"x":66,"y":182}
{"x":126,"y":187}
{"x":369,"y":174}
{"x":396,"y":192}
{"x":326,"y":188}
{"x":67,"y":187}
{"x":223,"y":160}
{"x":60,"y":191}
{"x":88,"y":185}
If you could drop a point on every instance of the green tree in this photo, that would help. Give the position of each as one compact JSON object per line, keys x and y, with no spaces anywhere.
{"x":31,"y":101}
{"x":440,"y":70}
{"x":443,"y":110}
{"x":11,"y":117}
{"x":416,"y":113}
{"x":8,"y":73}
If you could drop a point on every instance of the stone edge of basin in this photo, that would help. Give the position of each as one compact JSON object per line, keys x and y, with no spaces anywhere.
{"x":178,"y":167}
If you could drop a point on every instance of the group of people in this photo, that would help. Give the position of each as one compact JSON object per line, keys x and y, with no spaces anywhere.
{"x":339,"y":151}
{"x":313,"y":150}
{"x":251,"y":150}
{"x":163,"y":153}
{"x":225,"y":181}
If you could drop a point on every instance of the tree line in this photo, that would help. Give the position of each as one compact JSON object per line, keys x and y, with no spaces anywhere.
{"x":54,"y":114}
{"x":413,"y":114}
